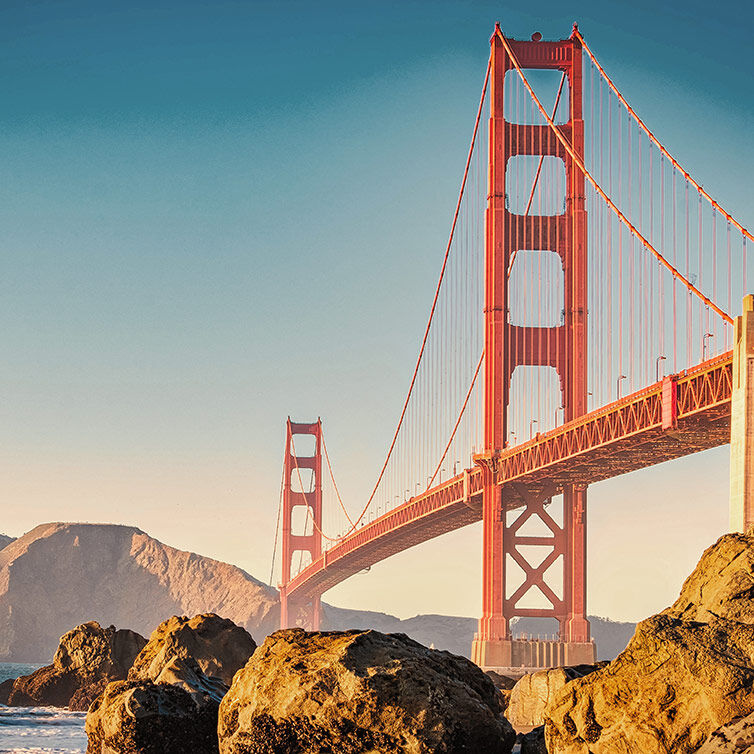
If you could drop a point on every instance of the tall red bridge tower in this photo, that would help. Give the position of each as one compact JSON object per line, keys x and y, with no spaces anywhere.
{"x":506,"y":508}
{"x":307,"y":536}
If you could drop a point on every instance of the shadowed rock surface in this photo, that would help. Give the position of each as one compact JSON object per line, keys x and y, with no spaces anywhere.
{"x":115,"y":575}
{"x":360,"y":691}
{"x":533,"y":742}
{"x":87,"y":659}
{"x":140,"y":717}
{"x":686,"y":672}
{"x":216,"y":645}
{"x":534,"y":691}
{"x":5,"y":540}
{"x":735,"y":738}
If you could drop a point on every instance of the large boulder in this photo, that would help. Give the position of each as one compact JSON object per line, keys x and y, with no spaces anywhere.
{"x":216,"y":646}
{"x":140,"y":717}
{"x":87,"y":659}
{"x":686,"y":672}
{"x":360,"y":691}
{"x":534,"y":691}
{"x":174,"y":688}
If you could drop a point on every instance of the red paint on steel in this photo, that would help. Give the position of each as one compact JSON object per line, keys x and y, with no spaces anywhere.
{"x":669,"y":404}
{"x":508,"y":345}
{"x":312,"y":501}
{"x":624,"y":436}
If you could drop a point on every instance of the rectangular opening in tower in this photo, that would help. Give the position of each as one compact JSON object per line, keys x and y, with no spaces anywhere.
{"x":299,"y":560}
{"x":519,"y":107}
{"x":535,"y":185}
{"x":303,"y":445}
{"x":302,"y":520}
{"x":535,"y":402}
{"x":536,"y":295}
{"x":302,"y":480}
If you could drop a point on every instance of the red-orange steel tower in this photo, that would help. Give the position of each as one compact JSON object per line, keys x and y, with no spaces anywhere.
{"x":508,"y":345}
{"x":311,"y":503}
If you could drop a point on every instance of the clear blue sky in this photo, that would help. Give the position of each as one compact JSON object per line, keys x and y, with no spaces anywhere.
{"x":216,"y":214}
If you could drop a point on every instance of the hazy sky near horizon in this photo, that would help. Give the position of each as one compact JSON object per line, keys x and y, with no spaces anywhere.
{"x":217,"y":214}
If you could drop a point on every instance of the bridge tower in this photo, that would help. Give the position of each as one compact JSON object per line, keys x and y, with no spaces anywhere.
{"x":509,"y":345}
{"x":309,"y":538}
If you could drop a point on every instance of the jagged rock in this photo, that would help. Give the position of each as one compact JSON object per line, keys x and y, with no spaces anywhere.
{"x":533,"y":742}
{"x":87,"y":658}
{"x":502,"y":682}
{"x":217,"y":645}
{"x":533,"y":691}
{"x":5,"y":688}
{"x":360,"y":691}
{"x":140,"y":717}
{"x":737,"y":737}
{"x":5,"y":540}
{"x":193,"y":656}
{"x":685,"y":673}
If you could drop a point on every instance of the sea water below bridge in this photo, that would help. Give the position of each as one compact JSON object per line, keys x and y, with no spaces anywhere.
{"x":38,"y":730}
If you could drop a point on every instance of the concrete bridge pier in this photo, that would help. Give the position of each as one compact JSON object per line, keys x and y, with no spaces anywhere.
{"x":742,"y":422}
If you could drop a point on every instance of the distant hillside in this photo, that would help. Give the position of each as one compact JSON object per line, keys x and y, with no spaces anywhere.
{"x":60,"y":575}
{"x":5,"y":540}
{"x":441,"y":631}
{"x":611,"y":636}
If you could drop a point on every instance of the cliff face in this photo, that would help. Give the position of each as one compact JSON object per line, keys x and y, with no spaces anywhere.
{"x":60,"y":575}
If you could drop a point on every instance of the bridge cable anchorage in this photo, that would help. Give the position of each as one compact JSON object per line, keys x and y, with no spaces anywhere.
{"x":458,"y":420}
{"x":434,"y":303}
{"x":580,"y":164}
{"x":334,"y":483}
{"x":277,"y":525}
{"x":656,"y":142}
{"x":538,"y":172}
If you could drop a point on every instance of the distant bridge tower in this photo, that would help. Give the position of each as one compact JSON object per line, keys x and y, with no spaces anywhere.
{"x":308,"y":539}
{"x":509,"y":345}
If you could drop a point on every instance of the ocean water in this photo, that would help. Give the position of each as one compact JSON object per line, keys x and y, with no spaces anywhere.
{"x":38,"y":730}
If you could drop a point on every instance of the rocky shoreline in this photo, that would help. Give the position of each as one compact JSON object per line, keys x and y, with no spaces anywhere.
{"x":685,"y":683}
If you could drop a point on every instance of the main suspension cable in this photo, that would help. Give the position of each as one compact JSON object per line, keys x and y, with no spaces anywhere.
{"x":580,"y":164}
{"x":656,"y":141}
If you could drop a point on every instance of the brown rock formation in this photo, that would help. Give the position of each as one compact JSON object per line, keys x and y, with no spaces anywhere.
{"x":685,"y":673}
{"x":115,"y":575}
{"x":87,"y":658}
{"x":534,"y":691}
{"x":217,"y":645}
{"x":194,"y":656}
{"x":5,"y":540}
{"x":135,"y":717}
{"x":360,"y":691}
{"x":737,"y":737}
{"x":533,"y":742}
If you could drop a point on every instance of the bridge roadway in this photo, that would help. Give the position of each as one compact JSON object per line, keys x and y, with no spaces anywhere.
{"x":682,"y":414}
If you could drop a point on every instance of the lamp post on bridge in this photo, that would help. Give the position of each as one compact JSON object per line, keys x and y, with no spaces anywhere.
{"x":657,"y":367}
{"x":617,"y":385}
{"x":705,"y":337}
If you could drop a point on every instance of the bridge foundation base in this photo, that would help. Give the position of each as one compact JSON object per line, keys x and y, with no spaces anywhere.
{"x":518,"y":656}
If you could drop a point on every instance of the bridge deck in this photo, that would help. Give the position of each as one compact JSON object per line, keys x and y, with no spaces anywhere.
{"x":624,"y":436}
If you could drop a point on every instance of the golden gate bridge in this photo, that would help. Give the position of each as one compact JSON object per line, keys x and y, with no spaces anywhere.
{"x":582,"y":327}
